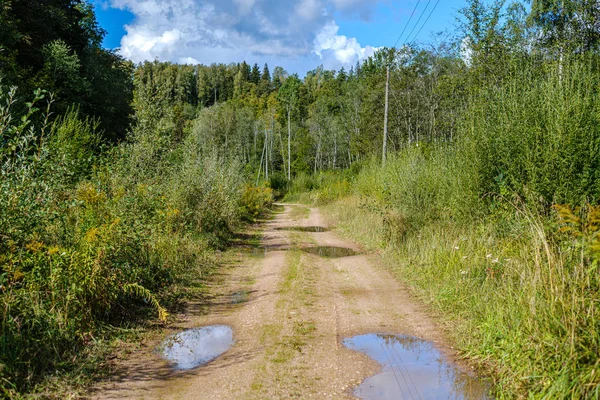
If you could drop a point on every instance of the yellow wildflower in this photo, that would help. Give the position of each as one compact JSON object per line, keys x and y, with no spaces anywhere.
{"x":34,"y":246}
{"x":90,"y":236}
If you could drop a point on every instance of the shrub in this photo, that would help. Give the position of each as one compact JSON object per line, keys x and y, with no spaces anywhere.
{"x":91,"y":240}
{"x":255,"y":200}
{"x":536,"y":135}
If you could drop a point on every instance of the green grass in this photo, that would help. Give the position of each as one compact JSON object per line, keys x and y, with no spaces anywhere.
{"x":519,"y":304}
{"x":479,"y":229}
{"x":285,"y":339}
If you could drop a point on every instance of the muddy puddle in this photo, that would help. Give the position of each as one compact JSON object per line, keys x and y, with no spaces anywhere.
{"x":240,"y":297}
{"x":330,"y":251}
{"x":195,"y":347}
{"x":277,"y":208}
{"x":413,"y":369}
{"x":310,"y":229}
{"x":259,"y":251}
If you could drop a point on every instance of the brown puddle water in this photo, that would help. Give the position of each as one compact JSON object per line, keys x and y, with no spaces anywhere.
{"x":413,"y":369}
{"x":194,"y":347}
{"x":330,"y":251}
{"x":313,"y":229}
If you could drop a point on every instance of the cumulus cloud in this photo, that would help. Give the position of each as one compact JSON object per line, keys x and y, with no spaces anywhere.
{"x":338,"y":50}
{"x":280,"y":32}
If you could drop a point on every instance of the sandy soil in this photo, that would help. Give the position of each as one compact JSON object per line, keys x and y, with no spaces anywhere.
{"x":288,"y":333}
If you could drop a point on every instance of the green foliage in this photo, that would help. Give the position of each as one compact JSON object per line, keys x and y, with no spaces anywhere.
{"x":62,"y":65}
{"x":255,"y":200}
{"x":567,"y":24}
{"x":540,"y":125}
{"x":322,"y":188}
{"x":56,"y":44}
{"x":73,"y":145}
{"x":91,"y":241}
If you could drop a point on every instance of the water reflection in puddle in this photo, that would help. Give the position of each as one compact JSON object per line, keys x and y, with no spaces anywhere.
{"x":412,"y":369}
{"x":240,"y":297}
{"x":278,"y":208}
{"x":259,"y":251}
{"x":313,"y":229}
{"x":330,"y":251}
{"x":195,"y":347}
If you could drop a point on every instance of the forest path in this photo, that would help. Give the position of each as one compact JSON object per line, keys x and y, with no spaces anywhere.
{"x":304,"y":293}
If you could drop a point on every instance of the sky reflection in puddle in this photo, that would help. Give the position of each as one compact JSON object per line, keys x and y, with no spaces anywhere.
{"x":194,"y":347}
{"x":413,"y":369}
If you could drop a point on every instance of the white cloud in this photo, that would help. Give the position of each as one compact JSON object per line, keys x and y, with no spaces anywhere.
{"x":310,"y":10}
{"x":280,"y":32}
{"x":338,"y":50}
{"x":188,"y":60}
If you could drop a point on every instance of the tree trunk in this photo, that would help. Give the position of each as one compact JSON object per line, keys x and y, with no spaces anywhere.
{"x":266,"y":156}
{"x":334,"y":151}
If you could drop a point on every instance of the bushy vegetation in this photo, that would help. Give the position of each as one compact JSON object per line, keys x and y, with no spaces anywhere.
{"x":499,"y":229}
{"x":91,"y":237}
{"x":56,"y":45}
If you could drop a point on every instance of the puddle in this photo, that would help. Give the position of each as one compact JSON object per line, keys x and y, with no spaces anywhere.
{"x":259,"y":251}
{"x":194,"y":347}
{"x":313,"y":229}
{"x":413,"y":369}
{"x":330,"y":251}
{"x":278,"y":208}
{"x":240,"y":297}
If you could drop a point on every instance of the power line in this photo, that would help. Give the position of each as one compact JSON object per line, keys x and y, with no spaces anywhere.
{"x":407,"y":23}
{"x":425,"y":23}
{"x":419,"y":20}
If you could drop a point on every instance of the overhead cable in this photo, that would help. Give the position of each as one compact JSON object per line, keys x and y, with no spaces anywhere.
{"x":425,"y":23}
{"x":419,"y":20}
{"x":407,"y":23}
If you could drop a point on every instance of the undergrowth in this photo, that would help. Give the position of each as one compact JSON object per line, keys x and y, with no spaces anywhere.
{"x":94,"y":239}
{"x":498,"y":231}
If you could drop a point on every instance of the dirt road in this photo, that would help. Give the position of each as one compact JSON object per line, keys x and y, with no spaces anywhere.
{"x":289,"y":308}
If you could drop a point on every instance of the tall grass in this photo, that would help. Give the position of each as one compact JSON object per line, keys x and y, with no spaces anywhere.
{"x":471,"y":228}
{"x":93,"y":238}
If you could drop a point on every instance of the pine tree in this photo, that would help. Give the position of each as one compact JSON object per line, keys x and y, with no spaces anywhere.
{"x":266,"y":75}
{"x":255,"y":74}
{"x":246,"y":72}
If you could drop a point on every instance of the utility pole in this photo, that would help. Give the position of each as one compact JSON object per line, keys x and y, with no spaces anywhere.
{"x":290,"y":143}
{"x":385,"y":118}
{"x":266,"y":155}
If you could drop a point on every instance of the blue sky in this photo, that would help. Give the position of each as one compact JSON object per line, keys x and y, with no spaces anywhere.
{"x":296,"y":34}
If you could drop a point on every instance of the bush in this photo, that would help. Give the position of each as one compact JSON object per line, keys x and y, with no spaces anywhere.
{"x":279,"y":183}
{"x":255,"y":200}
{"x":90,"y":240}
{"x":537,"y":135}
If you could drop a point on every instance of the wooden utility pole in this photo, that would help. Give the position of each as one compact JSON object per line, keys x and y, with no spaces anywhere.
{"x":385,"y":118}
{"x":290,"y":143}
{"x":266,"y":155}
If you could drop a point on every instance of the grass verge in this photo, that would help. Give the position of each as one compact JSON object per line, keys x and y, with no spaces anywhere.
{"x":518,"y":302}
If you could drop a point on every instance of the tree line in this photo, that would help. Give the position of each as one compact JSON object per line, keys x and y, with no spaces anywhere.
{"x":283,"y":125}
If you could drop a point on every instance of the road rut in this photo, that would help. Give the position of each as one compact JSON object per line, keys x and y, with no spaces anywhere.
{"x":288,"y":332}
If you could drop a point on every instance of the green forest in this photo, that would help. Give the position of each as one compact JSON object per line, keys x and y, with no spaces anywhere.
{"x":119,"y":184}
